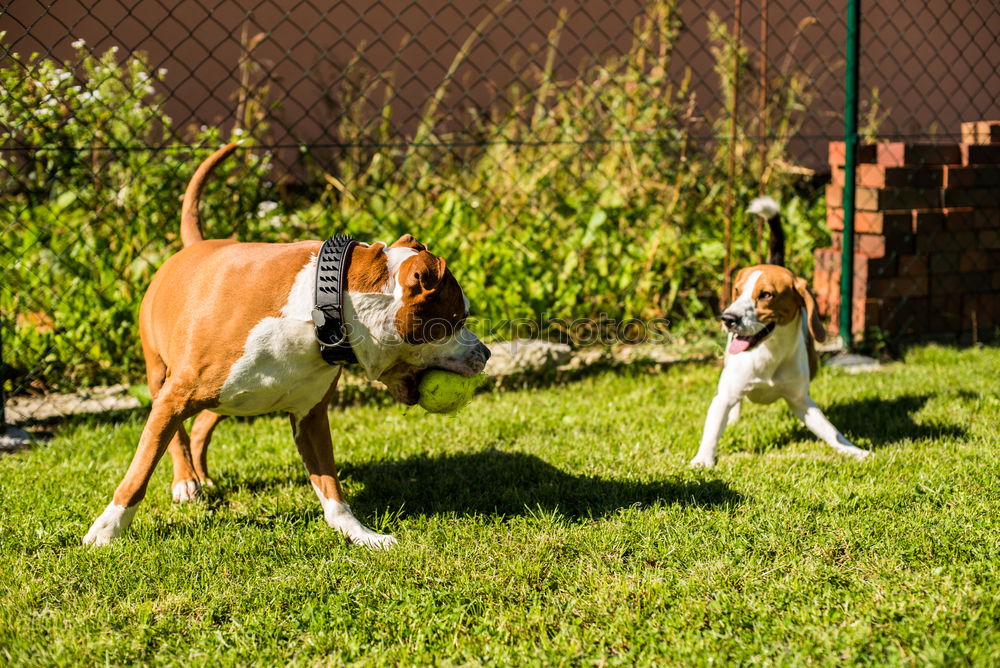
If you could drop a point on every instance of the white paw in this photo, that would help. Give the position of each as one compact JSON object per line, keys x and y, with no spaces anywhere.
{"x":339,"y":516}
{"x":186,"y":490}
{"x":112,"y":522}
{"x":368,"y":538}
{"x":859,"y":454}
{"x":702,"y":462}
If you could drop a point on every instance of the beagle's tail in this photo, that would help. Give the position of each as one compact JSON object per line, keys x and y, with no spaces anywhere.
{"x":190,"y":224}
{"x":768,"y":209}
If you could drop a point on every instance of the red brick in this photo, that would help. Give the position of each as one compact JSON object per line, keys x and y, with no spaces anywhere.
{"x":836,"y":152}
{"x":972,"y":197}
{"x":876,"y":176}
{"x":981,"y":132}
{"x":943,"y":263}
{"x":871,"y":314}
{"x":826,"y":286}
{"x":904,"y":286}
{"x":974,"y":260}
{"x":913,"y":265}
{"x":982,"y":154}
{"x":899,"y":154}
{"x":928,"y":222}
{"x":962,"y":219}
{"x":905,"y":316}
{"x":960,"y":284}
{"x":946,"y":242}
{"x":974,"y":176}
{"x":870,"y":245}
{"x":886,"y":199}
{"x":871,"y":222}
{"x":981,"y":313}
{"x":948,"y":284}
{"x":989,"y":239}
{"x":944,"y":314}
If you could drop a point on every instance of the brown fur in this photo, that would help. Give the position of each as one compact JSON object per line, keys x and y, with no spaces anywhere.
{"x":190,"y":222}
{"x":433,"y":307}
{"x":369,"y":270}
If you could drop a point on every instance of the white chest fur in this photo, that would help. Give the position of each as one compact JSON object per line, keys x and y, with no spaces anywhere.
{"x":281,"y":368}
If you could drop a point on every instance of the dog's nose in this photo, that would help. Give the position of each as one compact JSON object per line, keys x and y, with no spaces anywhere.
{"x":729,"y":320}
{"x":485,"y":352}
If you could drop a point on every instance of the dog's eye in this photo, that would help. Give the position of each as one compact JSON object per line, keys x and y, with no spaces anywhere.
{"x":765,"y":295}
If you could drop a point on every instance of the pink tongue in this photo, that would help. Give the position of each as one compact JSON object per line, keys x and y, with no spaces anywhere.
{"x":738,"y":345}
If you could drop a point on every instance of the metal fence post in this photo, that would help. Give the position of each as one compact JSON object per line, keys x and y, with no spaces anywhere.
{"x":850,"y":162}
{"x":3,"y":383}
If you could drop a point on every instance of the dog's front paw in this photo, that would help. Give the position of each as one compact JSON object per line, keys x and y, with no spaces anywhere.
{"x":186,"y":490}
{"x":702,"y":462}
{"x":368,"y":538}
{"x":861,"y":455}
{"x":112,"y":522}
{"x":339,"y":516}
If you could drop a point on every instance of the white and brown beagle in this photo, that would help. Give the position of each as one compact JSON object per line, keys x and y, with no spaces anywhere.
{"x":227,"y":328}
{"x":772,"y":322}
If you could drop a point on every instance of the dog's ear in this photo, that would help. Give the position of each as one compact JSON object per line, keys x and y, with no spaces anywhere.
{"x":369,"y":268}
{"x":407,"y":241}
{"x":812,"y":313}
{"x":741,"y":276}
{"x":421,"y":273}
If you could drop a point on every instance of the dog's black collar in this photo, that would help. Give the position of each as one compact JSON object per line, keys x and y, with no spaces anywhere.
{"x":328,"y":314}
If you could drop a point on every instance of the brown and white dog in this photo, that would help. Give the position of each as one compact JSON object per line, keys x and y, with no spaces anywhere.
{"x":227,"y":329}
{"x":772,"y":322}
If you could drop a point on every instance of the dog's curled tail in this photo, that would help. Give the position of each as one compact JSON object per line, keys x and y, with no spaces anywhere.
{"x":768,"y":209}
{"x":190,"y":224}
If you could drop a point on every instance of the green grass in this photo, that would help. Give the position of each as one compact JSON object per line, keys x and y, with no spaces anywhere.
{"x":555,"y":526}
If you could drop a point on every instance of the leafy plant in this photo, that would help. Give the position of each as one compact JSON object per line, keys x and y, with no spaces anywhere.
{"x":90,"y":209}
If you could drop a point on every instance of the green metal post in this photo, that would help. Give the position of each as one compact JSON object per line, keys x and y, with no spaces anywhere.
{"x":3,"y":382}
{"x":850,"y":166}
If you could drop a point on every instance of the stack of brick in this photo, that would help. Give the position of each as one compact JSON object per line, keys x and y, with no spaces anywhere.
{"x":927,"y":237}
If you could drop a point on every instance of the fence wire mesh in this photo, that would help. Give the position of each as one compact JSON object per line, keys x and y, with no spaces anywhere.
{"x":572,"y":160}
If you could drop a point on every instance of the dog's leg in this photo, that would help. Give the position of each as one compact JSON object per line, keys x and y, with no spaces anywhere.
{"x":810,"y":414}
{"x":718,"y":412}
{"x":734,"y":414}
{"x":165,"y":416}
{"x":201,"y":436}
{"x":312,"y":437}
{"x":186,"y":485}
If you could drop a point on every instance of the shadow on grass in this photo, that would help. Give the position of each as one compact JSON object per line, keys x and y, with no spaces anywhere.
{"x":882,"y":422}
{"x":887,"y":421}
{"x":493,"y":482}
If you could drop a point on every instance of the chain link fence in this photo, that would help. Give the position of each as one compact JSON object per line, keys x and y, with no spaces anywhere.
{"x":572,"y":160}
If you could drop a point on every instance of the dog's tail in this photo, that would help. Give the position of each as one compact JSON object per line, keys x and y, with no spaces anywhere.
{"x":768,"y":209}
{"x":190,"y":224}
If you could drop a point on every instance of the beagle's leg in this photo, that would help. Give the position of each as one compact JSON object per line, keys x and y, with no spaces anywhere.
{"x":312,"y":437}
{"x":715,"y":422}
{"x":810,"y":414}
{"x":165,"y":417}
{"x":734,"y":413}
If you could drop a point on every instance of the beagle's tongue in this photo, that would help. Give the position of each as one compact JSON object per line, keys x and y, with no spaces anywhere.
{"x":739,"y":344}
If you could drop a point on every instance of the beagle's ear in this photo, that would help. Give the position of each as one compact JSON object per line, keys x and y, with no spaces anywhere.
{"x":407,"y":241}
{"x":421,"y":273}
{"x":812,"y":313}
{"x":741,"y":276}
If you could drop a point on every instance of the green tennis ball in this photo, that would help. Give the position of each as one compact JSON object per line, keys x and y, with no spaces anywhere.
{"x":445,"y":391}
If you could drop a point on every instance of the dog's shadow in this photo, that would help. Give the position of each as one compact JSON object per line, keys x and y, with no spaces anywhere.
{"x":497,"y":483}
{"x":887,"y":421}
{"x":881,"y":422}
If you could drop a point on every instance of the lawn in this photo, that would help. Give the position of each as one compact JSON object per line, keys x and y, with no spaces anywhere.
{"x":551,"y":526}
